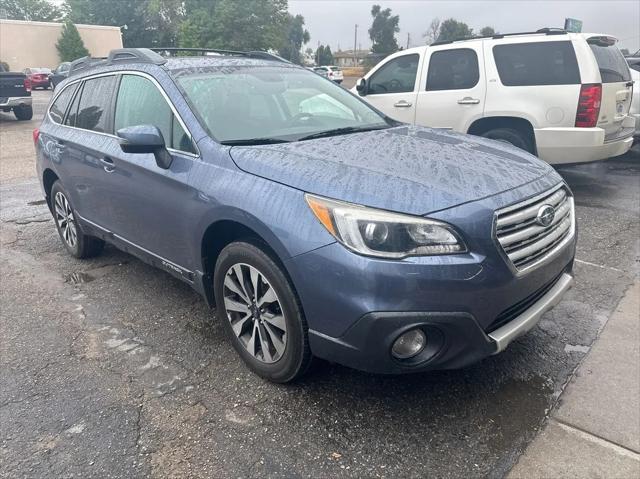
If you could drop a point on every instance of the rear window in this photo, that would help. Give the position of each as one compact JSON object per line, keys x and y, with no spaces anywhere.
{"x":453,"y":70}
{"x":611,"y":63}
{"x":540,"y":63}
{"x":335,"y":69}
{"x":59,"y":107}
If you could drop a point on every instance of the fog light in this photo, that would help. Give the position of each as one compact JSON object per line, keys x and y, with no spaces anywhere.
{"x":409,"y":344}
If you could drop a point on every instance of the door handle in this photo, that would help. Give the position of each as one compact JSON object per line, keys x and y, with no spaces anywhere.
{"x":467,"y":100}
{"x":402,"y":104}
{"x":107,"y":164}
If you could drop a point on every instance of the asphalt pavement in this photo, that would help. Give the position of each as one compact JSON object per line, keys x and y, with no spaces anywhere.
{"x":111,"y":368}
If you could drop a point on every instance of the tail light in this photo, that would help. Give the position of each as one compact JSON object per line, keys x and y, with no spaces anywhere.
{"x":589,"y":105}
{"x":27,"y":85}
{"x":36,"y":135}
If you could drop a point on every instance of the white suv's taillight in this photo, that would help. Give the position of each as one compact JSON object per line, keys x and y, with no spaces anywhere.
{"x":589,"y":105}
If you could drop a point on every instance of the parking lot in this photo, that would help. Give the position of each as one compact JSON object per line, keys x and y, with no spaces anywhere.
{"x":111,"y":368}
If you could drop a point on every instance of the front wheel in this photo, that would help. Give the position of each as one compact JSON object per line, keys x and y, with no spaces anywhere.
{"x":261,"y":313}
{"x":23,"y":112}
{"x":511,"y":136}
{"x":74,"y":240}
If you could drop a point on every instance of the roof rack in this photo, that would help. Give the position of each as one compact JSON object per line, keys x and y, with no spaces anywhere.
{"x":120,"y":55}
{"x":174,"y":51}
{"x":546,"y":31}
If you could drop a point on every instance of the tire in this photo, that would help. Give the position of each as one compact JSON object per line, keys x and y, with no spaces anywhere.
{"x":23,"y":112}
{"x":511,"y":136}
{"x":276,"y":348}
{"x":78,"y":244}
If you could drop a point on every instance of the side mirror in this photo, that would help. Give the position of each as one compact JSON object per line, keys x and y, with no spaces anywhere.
{"x":145,"y":139}
{"x":361,"y":87}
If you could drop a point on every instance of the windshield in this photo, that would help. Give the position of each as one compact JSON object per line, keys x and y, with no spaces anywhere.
{"x":271,"y":104}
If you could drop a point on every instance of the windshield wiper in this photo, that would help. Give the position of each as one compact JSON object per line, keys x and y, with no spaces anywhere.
{"x":342,"y":131}
{"x":254,"y":141}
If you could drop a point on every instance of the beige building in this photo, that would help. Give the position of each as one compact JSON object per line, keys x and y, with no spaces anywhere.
{"x":33,"y":44}
{"x":347,"y":58}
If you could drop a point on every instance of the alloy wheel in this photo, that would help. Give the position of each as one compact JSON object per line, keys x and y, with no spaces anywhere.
{"x":255,"y":313}
{"x":65,"y":220}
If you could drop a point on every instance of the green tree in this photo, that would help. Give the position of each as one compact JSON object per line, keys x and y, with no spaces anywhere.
{"x":383,"y":30}
{"x":149,"y":22}
{"x":70,"y":46}
{"x":32,"y":10}
{"x":324,"y":55}
{"x":452,"y":29}
{"x":487,"y":32}
{"x":234,"y":25}
{"x":296,"y":36}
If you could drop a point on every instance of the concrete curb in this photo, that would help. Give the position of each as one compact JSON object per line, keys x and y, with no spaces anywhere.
{"x":595,"y":430}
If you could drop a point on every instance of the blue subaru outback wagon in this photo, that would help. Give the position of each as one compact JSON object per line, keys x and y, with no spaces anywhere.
{"x":316,"y":225}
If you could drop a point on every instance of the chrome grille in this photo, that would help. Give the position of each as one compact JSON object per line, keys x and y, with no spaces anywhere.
{"x":525,"y":241}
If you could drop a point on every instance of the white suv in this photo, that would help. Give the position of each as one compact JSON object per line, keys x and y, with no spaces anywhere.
{"x":331,"y":72}
{"x":563,"y":96}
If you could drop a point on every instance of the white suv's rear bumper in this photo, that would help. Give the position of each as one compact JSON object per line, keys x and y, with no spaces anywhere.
{"x":580,"y":145}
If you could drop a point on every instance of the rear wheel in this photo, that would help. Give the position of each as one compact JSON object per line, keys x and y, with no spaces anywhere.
{"x":511,"y":136}
{"x":23,"y":112}
{"x":74,"y":240}
{"x":260,"y":313}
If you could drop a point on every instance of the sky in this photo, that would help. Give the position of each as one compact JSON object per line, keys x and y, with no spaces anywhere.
{"x":332,"y":21}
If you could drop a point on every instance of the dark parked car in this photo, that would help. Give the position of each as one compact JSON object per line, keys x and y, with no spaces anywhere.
{"x":315,"y":224}
{"x":59,"y":74}
{"x":39,"y":77}
{"x":15,"y":94}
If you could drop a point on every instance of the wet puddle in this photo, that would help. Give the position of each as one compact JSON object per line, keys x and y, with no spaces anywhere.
{"x":37,"y":203}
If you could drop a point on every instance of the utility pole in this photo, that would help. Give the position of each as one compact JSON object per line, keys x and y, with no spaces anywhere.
{"x":355,"y":43}
{"x":408,"y":38}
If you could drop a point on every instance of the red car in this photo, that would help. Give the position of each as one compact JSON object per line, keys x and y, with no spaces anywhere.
{"x":39,"y":77}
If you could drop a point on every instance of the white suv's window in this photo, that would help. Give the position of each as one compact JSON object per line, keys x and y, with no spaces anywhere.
{"x":612,"y":65}
{"x":453,"y":70}
{"x":539,"y":63}
{"x":396,"y":76}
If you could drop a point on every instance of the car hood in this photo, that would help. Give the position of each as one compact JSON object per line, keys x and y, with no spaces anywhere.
{"x":407,"y":169}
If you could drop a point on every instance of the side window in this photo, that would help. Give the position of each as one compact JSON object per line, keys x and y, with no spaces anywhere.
{"x":396,"y":76}
{"x":95,"y":104}
{"x":72,"y":115}
{"x":541,"y":63}
{"x":453,"y":70}
{"x":59,"y":107}
{"x":141,"y":103}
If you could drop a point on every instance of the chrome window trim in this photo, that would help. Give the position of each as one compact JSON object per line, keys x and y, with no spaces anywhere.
{"x":136,"y":73}
{"x":550,"y":255}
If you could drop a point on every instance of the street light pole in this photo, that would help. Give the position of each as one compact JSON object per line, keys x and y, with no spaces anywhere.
{"x":355,"y":43}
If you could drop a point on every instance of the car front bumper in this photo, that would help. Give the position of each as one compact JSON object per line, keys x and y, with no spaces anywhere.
{"x":16,"y":101}
{"x":357,"y":307}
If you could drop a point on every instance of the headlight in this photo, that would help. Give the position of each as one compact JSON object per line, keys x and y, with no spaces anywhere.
{"x":384,"y":234}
